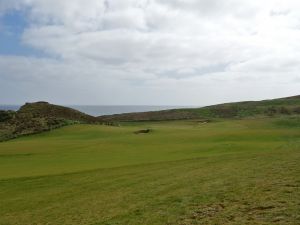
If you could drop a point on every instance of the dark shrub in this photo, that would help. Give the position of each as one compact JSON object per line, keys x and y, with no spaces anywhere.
{"x":6,"y":115}
{"x":226,"y":111}
{"x":297,"y":110}
{"x":271,"y":111}
{"x":284,"y":110}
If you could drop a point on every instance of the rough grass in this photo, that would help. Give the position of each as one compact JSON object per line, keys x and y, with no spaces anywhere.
{"x":275,"y":107}
{"x":183,"y":172}
{"x":38,"y":117}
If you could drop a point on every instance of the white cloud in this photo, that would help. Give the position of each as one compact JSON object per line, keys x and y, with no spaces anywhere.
{"x":178,"y":52}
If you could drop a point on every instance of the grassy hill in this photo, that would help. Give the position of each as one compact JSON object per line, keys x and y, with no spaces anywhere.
{"x":37,"y":117}
{"x":275,"y":107}
{"x":41,"y":116}
{"x":184,"y":172}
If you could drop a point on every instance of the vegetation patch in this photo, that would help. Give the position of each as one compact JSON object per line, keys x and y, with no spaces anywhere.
{"x":288,"y":122}
{"x":33,"y":118}
{"x":270,"y":108}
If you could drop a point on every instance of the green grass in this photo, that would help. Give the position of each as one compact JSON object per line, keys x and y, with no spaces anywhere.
{"x":183,"y":172}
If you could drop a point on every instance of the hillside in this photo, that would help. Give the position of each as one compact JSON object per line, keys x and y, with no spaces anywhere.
{"x":46,"y":110}
{"x":274,"y":107}
{"x":37,"y":117}
{"x":42,"y":116}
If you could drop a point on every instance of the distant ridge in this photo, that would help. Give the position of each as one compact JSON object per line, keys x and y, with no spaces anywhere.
{"x":287,"y":106}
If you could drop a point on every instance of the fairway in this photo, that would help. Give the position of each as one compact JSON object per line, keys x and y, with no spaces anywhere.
{"x":182,"y":172}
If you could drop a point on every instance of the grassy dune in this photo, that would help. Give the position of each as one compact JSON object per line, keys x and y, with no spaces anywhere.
{"x":183,"y":172}
{"x":273,"y":107}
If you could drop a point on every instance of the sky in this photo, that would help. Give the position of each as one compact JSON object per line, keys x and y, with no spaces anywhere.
{"x":148,"y":52}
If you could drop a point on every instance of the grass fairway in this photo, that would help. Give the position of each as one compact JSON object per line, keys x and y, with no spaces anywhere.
{"x":183,"y":172}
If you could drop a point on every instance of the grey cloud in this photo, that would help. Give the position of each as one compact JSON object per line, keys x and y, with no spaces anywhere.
{"x":177,"y":51}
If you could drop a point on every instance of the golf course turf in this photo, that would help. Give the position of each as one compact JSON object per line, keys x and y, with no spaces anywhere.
{"x":225,"y":171}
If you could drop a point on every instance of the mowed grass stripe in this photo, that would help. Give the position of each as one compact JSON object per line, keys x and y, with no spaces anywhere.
{"x":162,"y":193}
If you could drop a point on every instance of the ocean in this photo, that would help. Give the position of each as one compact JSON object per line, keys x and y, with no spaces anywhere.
{"x":99,"y":110}
{"x":9,"y":107}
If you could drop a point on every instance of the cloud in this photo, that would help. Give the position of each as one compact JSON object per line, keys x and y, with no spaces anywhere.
{"x":188,"y":51}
